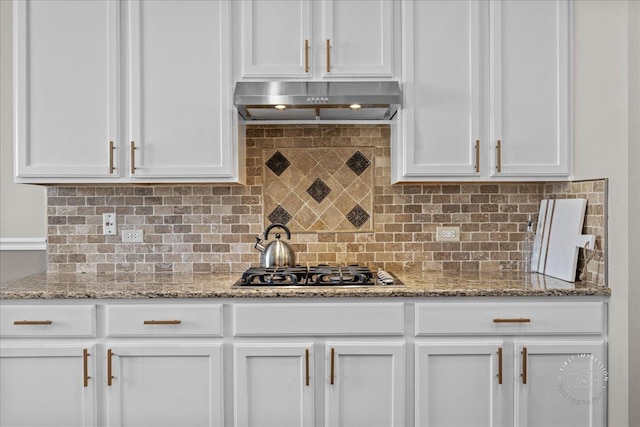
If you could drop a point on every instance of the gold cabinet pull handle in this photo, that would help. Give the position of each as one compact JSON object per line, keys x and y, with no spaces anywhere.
{"x":477,"y":155}
{"x":112,"y":147}
{"x":306,"y":55}
{"x":499,"y":156}
{"x":85,"y":367}
{"x":133,"y":157}
{"x":162,"y":322}
{"x":333,"y":359}
{"x":306,"y":366}
{"x":109,"y":367}
{"x":32,"y":322}
{"x":524,"y":365}
{"x":499,"y":365}
{"x":328,"y":56}
{"x":511,"y":320}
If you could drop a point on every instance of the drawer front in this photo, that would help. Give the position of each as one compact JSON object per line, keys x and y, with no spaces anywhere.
{"x":48,"y":321}
{"x":510,"y":318}
{"x":318,"y":319}
{"x":165,"y":320}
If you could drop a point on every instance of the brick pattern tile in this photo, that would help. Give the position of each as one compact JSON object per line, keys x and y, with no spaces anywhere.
{"x":595,"y":191}
{"x":212,"y":228}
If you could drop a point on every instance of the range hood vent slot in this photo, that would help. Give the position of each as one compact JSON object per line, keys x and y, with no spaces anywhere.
{"x":320,"y":101}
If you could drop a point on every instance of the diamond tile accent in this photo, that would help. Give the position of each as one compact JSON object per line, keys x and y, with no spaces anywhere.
{"x":358,"y":163}
{"x":278,"y":163}
{"x":319,"y":190}
{"x":357,"y":216}
{"x":279,"y":215}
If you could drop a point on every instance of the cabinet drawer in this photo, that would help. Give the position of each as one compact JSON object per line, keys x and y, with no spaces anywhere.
{"x":510,"y":318}
{"x":165,"y":320}
{"x":318,"y":319}
{"x":48,"y":321}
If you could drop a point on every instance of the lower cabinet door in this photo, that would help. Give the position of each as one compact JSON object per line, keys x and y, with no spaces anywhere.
{"x":47,"y":385}
{"x":164,"y":385}
{"x":273,"y":385}
{"x":364,"y":384}
{"x":560,"y":383}
{"x":460,"y":384}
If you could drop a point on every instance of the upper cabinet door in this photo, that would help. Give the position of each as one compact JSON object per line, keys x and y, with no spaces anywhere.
{"x":442,"y":44}
{"x":66,"y":88}
{"x":300,"y":39}
{"x":180,"y":101}
{"x":530,"y":87}
{"x":276,"y":38}
{"x":486,"y":91}
{"x":357,"y":38}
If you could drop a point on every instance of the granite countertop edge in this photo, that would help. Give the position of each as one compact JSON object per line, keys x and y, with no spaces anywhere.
{"x":220,"y":285}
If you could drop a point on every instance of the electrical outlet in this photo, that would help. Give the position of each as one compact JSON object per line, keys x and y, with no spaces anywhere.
{"x":109,"y":223}
{"x":132,"y":236}
{"x":448,"y":234}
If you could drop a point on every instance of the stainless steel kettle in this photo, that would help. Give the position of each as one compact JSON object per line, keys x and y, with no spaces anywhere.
{"x":276,"y":253}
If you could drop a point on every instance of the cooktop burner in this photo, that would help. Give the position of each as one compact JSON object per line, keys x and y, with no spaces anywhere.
{"x":319,"y":275}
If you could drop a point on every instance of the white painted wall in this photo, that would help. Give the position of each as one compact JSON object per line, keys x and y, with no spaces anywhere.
{"x":603,"y":126}
{"x":634,"y":209}
{"x":22,"y":207}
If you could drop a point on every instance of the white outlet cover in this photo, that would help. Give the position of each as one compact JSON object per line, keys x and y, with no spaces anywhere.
{"x":133,"y":236}
{"x":109,"y":225}
{"x":448,"y":234}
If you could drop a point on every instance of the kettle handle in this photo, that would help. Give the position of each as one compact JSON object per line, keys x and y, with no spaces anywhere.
{"x":269,"y":228}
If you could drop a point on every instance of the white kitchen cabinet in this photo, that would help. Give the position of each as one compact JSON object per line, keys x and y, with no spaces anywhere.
{"x":171,"y":81}
{"x":449,"y":373}
{"x":531,"y":87}
{"x":358,"y":38}
{"x":181,"y":108}
{"x":556,"y":383}
{"x":441,"y":117}
{"x":221,"y":362}
{"x":560,"y":383}
{"x":486,"y":91}
{"x":273,"y":385}
{"x":512,"y":364}
{"x":47,"y":384}
{"x":174,"y":382}
{"x":48,"y":365}
{"x":362,"y":379}
{"x":365,"y":384}
{"x":164,"y":384}
{"x":276,"y":38}
{"x":314,"y":40}
{"x":66,"y":93}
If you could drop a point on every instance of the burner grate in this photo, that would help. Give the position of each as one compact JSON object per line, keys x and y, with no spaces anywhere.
{"x":320,"y":275}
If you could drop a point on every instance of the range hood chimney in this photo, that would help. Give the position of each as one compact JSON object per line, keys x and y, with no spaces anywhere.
{"x":301,"y":101}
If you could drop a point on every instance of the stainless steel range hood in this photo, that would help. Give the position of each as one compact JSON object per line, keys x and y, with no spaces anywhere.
{"x":301,"y":101}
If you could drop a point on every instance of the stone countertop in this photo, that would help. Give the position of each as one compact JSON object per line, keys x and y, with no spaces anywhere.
{"x":220,"y":285}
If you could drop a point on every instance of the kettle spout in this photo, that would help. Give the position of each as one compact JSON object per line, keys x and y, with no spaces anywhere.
{"x":258,"y":244}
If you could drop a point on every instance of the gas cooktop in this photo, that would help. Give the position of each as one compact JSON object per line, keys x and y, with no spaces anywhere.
{"x":318,"y":275}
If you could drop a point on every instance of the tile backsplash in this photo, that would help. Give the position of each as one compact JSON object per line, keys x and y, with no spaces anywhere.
{"x":319,"y":189}
{"x":212,"y":227}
